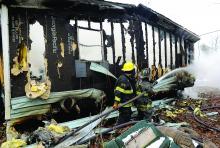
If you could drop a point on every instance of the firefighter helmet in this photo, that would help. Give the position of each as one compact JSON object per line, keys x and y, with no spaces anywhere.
{"x":128,"y":66}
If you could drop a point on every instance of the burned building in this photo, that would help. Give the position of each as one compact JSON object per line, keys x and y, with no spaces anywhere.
{"x":55,"y":42}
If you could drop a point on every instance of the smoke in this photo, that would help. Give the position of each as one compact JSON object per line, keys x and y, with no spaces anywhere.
{"x":206,"y":69}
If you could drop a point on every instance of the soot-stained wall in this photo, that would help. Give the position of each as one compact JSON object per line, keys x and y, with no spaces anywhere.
{"x":57,"y":30}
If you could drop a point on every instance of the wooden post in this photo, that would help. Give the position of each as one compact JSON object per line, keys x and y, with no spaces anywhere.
{"x":123,"y":42}
{"x":159,"y":44}
{"x":77,"y":47}
{"x":6,"y":60}
{"x":146,"y":44}
{"x":104,"y":49}
{"x":186,"y":46}
{"x":181,"y":53}
{"x":176,"y":58}
{"x":171,"y":52}
{"x":113,"y":42}
{"x":154,"y":56}
{"x":165,"y":47}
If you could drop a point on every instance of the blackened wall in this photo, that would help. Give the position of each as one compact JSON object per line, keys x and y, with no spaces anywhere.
{"x":56,"y":30}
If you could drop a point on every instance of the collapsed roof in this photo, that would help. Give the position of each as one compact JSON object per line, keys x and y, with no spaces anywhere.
{"x":98,"y":10}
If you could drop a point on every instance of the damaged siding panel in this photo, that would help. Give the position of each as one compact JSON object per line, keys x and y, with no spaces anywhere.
{"x":17,"y":32}
{"x":56,"y":30}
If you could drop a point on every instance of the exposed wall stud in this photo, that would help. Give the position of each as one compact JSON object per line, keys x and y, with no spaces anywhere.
{"x":123,"y":42}
{"x":146,"y":44}
{"x":171,"y":52}
{"x":113,"y":42}
{"x":77,"y":47}
{"x":181,"y":53}
{"x":176,"y":58}
{"x":186,"y":47}
{"x":154,"y":59}
{"x":159,"y":44}
{"x":104,"y":48}
{"x":165,"y":47}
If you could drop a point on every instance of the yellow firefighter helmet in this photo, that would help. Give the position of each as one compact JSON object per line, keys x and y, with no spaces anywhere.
{"x":128,"y":66}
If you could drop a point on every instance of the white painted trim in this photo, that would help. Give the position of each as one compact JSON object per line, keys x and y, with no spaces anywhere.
{"x":6,"y":60}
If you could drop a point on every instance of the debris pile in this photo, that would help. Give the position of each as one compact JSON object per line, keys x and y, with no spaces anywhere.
{"x":175,"y":123}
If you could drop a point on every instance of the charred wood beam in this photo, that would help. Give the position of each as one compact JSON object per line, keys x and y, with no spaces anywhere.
{"x":159,"y":44}
{"x":153,"y":35}
{"x":131,"y":33}
{"x":89,"y":28}
{"x":139,"y":43}
{"x":165,"y":48}
{"x":123,"y":41}
{"x":191,"y":51}
{"x":171,"y":52}
{"x":113,"y":42}
{"x":181,"y":52}
{"x":77,"y":47}
{"x":176,"y":58}
{"x":186,"y":51}
{"x":146,"y":44}
{"x":103,"y":41}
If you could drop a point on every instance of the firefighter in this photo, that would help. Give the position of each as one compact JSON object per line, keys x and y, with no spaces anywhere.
{"x":124,"y":91}
{"x":144,"y":104}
